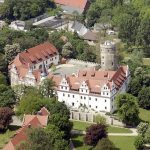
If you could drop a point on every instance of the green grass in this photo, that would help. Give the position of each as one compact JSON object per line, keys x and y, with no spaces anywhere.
{"x":112,"y":129}
{"x":144,"y":115}
{"x":78,"y":142}
{"x":146,"y":61}
{"x":5,"y":137}
{"x":123,"y":142}
{"x":77,"y":125}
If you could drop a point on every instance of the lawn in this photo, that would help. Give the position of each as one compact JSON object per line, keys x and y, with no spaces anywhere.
{"x":78,"y":143}
{"x":146,"y":61}
{"x":144,"y":115}
{"x":77,"y":125}
{"x":123,"y":142}
{"x":5,"y":137}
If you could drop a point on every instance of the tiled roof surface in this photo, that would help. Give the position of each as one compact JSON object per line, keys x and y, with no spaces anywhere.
{"x":73,"y":3}
{"x":30,"y":121}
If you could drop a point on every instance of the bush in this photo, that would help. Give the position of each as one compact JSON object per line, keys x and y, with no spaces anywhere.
{"x":139,"y":142}
{"x":94,"y":133}
{"x":100,"y":119}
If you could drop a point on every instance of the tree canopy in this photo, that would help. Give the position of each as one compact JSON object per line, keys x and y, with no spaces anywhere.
{"x":127,"y":109}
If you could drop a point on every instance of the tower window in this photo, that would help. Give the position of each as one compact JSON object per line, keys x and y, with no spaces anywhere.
{"x":112,"y":63}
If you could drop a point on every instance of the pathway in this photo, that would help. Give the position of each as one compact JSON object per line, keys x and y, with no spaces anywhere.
{"x":134,"y":133}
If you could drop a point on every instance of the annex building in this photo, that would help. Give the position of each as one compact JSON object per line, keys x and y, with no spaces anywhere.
{"x":91,"y":88}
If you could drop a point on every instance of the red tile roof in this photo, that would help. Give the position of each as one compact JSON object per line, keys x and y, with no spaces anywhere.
{"x":31,"y":56}
{"x":96,"y":79}
{"x":72,"y":3}
{"x":30,"y":121}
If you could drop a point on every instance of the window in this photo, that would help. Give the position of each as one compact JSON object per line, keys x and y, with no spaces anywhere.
{"x":107,"y":93}
{"x":72,"y":104}
{"x":81,"y":97}
{"x":103,"y":93}
{"x":90,"y":106}
{"x":105,"y":100}
{"x":66,"y":88}
{"x":46,"y":61}
{"x":96,"y":107}
{"x":81,"y":90}
{"x":112,"y":107}
{"x":84,"y":97}
{"x":63,"y":101}
{"x":105,"y":107}
{"x":68,"y":95}
{"x":63,"y":94}
{"x":73,"y":96}
{"x":61,"y":87}
{"x":95,"y":99}
{"x":86,"y":90}
{"x":89,"y":98}
{"x":103,"y":57}
{"x":112,"y":63}
{"x":102,"y":62}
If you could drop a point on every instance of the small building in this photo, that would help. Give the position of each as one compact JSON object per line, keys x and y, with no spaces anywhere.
{"x":79,"y":28}
{"x":71,"y":6}
{"x":29,"y":121}
{"x":90,"y":37}
{"x":2,"y":24}
{"x":17,"y":25}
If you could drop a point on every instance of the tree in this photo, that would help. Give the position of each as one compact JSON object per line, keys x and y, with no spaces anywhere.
{"x":67,"y":50}
{"x":94,"y":133}
{"x":60,"y":116}
{"x":128,"y":109}
{"x":3,"y":79}
{"x":135,"y":86}
{"x":57,"y":138}
{"x":100,"y":119}
{"x":5,"y":117}
{"x":142,"y":128}
{"x":139,"y":142}
{"x":147,"y":135}
{"x":37,"y":139}
{"x":144,"y":97}
{"x":7,"y":96}
{"x":31,"y":102}
{"x":105,"y":144}
{"x":47,"y":88}
{"x":11,"y":51}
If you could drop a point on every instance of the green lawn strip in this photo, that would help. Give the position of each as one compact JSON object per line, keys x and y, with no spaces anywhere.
{"x":112,"y":129}
{"x":146,"y":61}
{"x":78,"y":142}
{"x":77,"y":125}
{"x":5,"y":137}
{"x":144,"y":115}
{"x":123,"y":142}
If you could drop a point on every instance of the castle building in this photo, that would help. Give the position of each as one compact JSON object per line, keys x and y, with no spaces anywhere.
{"x":92,"y":89}
{"x":30,"y":66}
{"x":95,"y":89}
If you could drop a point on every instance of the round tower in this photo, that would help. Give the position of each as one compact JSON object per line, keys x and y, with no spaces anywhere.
{"x":108,"y":56}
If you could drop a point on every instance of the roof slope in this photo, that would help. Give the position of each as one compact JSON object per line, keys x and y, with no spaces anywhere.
{"x":73,"y":3}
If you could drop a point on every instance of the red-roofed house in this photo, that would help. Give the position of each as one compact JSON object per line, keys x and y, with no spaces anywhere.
{"x":29,"y":121}
{"x":70,"y":6}
{"x":30,"y":66}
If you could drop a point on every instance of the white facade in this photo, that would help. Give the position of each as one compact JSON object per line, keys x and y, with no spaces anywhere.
{"x":17,"y":25}
{"x":91,"y":101}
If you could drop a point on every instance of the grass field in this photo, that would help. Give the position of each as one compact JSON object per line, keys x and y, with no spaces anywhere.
{"x":144,"y":115}
{"x":77,"y":125}
{"x":121,"y":142}
{"x":146,"y":61}
{"x":78,"y":143}
{"x":5,"y":137}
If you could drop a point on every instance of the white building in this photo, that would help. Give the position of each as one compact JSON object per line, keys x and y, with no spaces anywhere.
{"x":17,"y":25}
{"x":30,"y":66}
{"x":92,"y":89}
